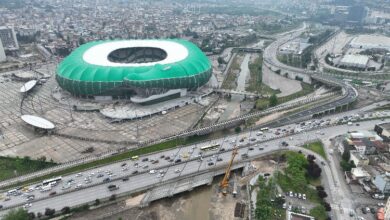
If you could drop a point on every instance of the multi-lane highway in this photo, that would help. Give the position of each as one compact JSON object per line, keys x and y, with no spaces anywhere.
{"x":152,"y":174}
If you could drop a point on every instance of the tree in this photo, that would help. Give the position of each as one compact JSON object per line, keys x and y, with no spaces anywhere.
{"x":65,"y":210}
{"x":97,"y":202}
{"x":220,"y":60}
{"x":16,"y":214}
{"x":322,"y":194}
{"x":112,"y":197}
{"x":313,"y":170}
{"x":346,"y":155}
{"x":237,"y":129}
{"x":31,"y":215}
{"x":327,"y":206}
{"x":273,"y":100}
{"x":50,"y":212}
{"x":39,"y":215}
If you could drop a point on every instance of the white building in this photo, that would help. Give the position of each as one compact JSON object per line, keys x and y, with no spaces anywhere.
{"x":355,"y":61}
{"x":371,"y":42}
{"x":2,"y":53}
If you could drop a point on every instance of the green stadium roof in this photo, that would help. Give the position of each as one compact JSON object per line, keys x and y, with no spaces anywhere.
{"x":88,"y":71}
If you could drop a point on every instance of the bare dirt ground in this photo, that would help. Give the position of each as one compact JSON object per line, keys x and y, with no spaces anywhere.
{"x":275,"y":81}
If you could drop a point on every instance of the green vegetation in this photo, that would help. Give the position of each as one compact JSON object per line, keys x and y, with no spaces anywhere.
{"x":255,"y":84}
{"x":299,"y":173}
{"x":273,"y":100}
{"x":319,"y":212}
{"x":17,"y":214}
{"x":264,"y":103}
{"x":234,"y":69}
{"x":268,"y":206}
{"x":345,"y":162}
{"x":317,"y":147}
{"x":11,"y":167}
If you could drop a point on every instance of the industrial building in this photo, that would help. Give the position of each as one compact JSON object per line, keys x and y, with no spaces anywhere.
{"x":371,"y":42}
{"x":354,"y":61}
{"x":8,"y":38}
{"x":145,"y":71}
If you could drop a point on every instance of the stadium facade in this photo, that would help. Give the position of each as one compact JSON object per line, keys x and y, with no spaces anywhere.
{"x":142,"y":70}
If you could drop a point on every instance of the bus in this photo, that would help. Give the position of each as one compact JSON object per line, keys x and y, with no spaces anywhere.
{"x":134,"y":158}
{"x":52,"y":181}
{"x":264,"y":129}
{"x":210,"y":147}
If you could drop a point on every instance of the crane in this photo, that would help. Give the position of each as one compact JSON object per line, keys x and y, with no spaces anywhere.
{"x":225,"y":182}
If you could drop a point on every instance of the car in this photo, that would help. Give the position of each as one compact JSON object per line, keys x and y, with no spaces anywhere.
{"x":291,"y":194}
{"x":106,"y":180}
{"x":364,"y":211}
{"x":177,"y":160}
{"x":167,"y":158}
{"x":79,"y":174}
{"x":145,"y":159}
{"x":381,"y":204}
{"x":304,"y":196}
{"x":152,"y":171}
{"x":100,"y":175}
{"x":244,"y":155}
{"x":284,"y":205}
{"x":123,"y":164}
{"x":134,"y":172}
{"x":162,"y":156}
{"x":267,"y":174}
{"x":1,"y":206}
{"x":251,"y":148}
{"x":373,"y":210}
{"x":177,"y":170}
{"x":222,"y":149}
{"x":289,"y":207}
{"x":171,"y":160}
{"x":351,"y":214}
{"x":112,"y":187}
{"x":299,"y":196}
{"x":125,"y":179}
{"x":211,"y":163}
{"x":136,"y":164}
{"x":323,"y":163}
{"x":53,"y":193}
{"x":219,"y":159}
{"x":7,"y":198}
{"x":260,"y":148}
{"x":145,"y":167}
{"x":295,"y":195}
{"x":125,"y":168}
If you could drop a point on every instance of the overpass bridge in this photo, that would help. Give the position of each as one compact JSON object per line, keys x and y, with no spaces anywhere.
{"x":235,"y":92}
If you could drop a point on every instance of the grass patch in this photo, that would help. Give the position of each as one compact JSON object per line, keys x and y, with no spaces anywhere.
{"x":317,"y":147}
{"x":11,"y":167}
{"x":319,"y":213}
{"x":122,"y":156}
{"x":234,"y":69}
{"x":268,"y":206}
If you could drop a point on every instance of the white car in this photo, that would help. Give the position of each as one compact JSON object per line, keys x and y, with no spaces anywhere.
{"x":177,"y":171}
{"x":152,"y":171}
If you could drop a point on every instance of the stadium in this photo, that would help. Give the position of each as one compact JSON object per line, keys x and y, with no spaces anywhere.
{"x":145,"y":71}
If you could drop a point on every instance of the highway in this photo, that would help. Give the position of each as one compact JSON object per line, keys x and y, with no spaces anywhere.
{"x":269,"y":141}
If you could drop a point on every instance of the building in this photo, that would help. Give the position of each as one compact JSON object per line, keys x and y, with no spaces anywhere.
{"x":295,"y":52}
{"x":383,"y":130}
{"x":359,"y":159}
{"x":382,"y":183}
{"x":2,"y":53}
{"x":146,"y":71}
{"x":371,"y":42}
{"x":8,"y":38}
{"x":360,"y":173}
{"x":298,"y":216}
{"x":354,"y":61}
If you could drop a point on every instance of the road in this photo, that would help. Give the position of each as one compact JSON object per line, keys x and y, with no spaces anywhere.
{"x":144,"y":179}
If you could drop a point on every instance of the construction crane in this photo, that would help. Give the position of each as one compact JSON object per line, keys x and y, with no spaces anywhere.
{"x":225,"y":182}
